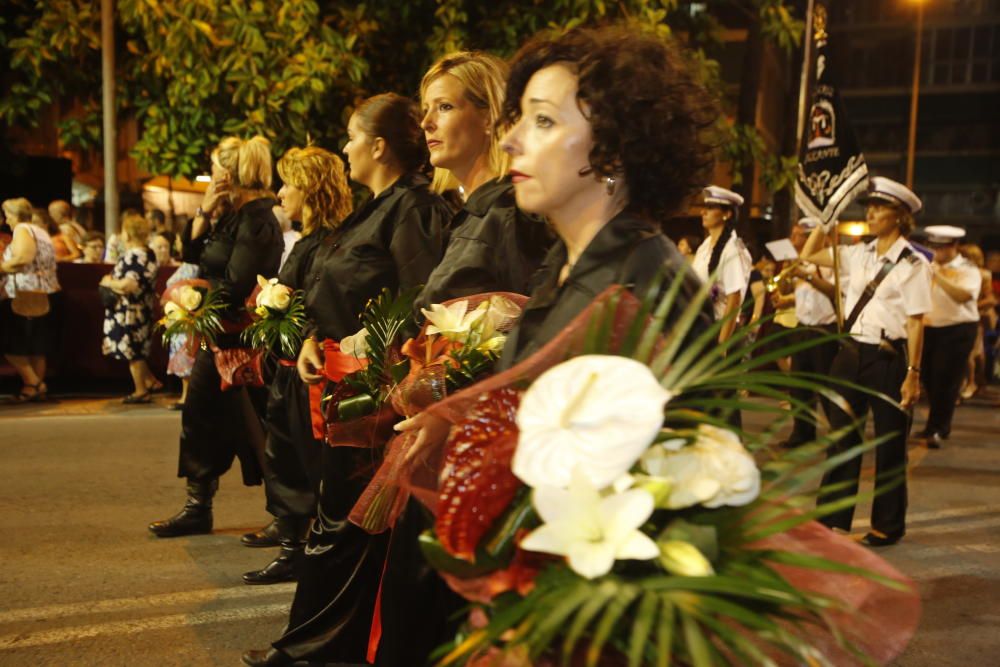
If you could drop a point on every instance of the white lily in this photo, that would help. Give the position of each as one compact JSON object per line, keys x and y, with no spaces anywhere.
{"x":592,"y":531}
{"x":454,"y":322}
{"x":598,"y":412}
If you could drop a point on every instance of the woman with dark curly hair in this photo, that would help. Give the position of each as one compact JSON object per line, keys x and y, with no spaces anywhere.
{"x":316,"y":193}
{"x":394,"y":241}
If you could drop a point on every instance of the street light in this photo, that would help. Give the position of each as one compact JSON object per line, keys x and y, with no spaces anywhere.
{"x":914,"y":95}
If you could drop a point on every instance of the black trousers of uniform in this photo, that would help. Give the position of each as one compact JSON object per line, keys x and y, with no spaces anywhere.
{"x":944,"y":365}
{"x":218,"y":426}
{"x":816,"y":359}
{"x":293,"y":472}
{"x":882,"y":370}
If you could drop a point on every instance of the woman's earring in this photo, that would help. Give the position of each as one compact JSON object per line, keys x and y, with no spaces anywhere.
{"x":609,"y":185}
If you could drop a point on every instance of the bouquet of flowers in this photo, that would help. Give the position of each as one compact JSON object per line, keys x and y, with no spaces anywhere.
{"x":278,"y":319}
{"x":597,"y":514}
{"x":192,"y":308}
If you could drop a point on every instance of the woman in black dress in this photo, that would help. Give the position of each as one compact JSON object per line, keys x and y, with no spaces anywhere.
{"x":394,"y":241}
{"x":316,"y":193}
{"x":218,"y":426}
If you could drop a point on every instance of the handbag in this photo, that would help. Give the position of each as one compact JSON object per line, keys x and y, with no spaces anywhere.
{"x":29,"y":304}
{"x":239,"y":367}
{"x":109,"y":299}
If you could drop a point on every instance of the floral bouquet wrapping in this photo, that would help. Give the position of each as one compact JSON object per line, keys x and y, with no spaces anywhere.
{"x":459,"y":343}
{"x":278,"y":317}
{"x":194,"y":309}
{"x":596,"y":514}
{"x":365,"y":367}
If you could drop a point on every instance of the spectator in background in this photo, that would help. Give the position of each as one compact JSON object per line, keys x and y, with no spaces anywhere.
{"x":93,"y":249}
{"x":688,"y":245}
{"x":128,"y":324}
{"x":115,"y":246}
{"x":63,"y":214}
{"x":987,"y":305}
{"x":162,"y":245}
{"x":157,"y":221}
{"x":27,"y":329}
{"x":65,"y":246}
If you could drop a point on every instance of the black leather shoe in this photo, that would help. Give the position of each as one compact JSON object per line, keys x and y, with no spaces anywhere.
{"x":265,"y":537}
{"x":874,"y":539}
{"x":283,"y":568}
{"x":934,"y":441}
{"x":274,"y":658}
{"x":195,"y":518}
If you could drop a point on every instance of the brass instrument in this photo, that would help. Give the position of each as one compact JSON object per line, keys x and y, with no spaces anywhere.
{"x":774,"y":282}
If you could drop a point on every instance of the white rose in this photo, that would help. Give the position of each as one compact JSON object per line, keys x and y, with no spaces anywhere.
{"x":595,"y":412}
{"x":499,"y":312}
{"x":172,"y":312}
{"x":279,"y":297}
{"x":713,"y":471}
{"x":188,"y":298}
{"x":356,"y":345}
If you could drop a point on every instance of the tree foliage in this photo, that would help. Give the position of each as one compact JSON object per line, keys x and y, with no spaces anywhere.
{"x":192,"y":71}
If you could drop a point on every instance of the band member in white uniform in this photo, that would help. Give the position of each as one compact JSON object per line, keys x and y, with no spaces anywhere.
{"x":814,"y":310}
{"x":723,"y":253}
{"x":887,"y":294}
{"x":950,"y":328}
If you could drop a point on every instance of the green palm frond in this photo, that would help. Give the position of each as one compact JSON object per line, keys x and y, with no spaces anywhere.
{"x":279,"y":332}
{"x":203,"y":324}
{"x":385,"y":318}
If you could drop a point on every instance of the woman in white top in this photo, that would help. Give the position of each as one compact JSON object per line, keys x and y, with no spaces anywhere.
{"x":723,"y":254}
{"x":882,"y":354}
{"x":30,"y":264}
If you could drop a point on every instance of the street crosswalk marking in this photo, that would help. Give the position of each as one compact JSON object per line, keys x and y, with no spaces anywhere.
{"x":119,"y":628}
{"x":144,"y":602}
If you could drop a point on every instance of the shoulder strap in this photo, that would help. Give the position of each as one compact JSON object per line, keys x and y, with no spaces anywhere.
{"x":870,"y":288}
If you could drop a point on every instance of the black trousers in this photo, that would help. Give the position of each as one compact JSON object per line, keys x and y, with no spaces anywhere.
{"x":293,"y":472}
{"x":816,"y":359}
{"x":942,"y":369}
{"x":882,"y":370}
{"x":338,"y":582}
{"x":218,"y":426}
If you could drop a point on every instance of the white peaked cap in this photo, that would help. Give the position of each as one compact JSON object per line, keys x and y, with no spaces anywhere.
{"x":888,"y":190}
{"x":713,"y":194}
{"x":944,"y":233}
{"x":809,"y":222}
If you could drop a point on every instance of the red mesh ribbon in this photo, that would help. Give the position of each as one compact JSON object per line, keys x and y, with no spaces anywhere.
{"x":239,"y":367}
{"x":336,"y":365}
{"x":425,"y":385}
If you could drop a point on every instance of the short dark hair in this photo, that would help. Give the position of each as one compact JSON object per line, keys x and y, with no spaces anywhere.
{"x":649,"y":115}
{"x":397,"y":120}
{"x":157,"y":217}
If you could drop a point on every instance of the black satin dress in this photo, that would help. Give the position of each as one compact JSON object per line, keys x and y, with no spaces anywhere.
{"x":393,"y":242}
{"x":218,"y":426}
{"x":292,"y":473}
{"x":494,"y":247}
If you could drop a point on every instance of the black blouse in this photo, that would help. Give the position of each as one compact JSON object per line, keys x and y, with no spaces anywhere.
{"x":493,"y":247}
{"x":394,"y":241}
{"x":241,"y":246}
{"x":627,"y":251}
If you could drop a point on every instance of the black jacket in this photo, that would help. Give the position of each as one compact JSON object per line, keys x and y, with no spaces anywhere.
{"x":394,"y":241}
{"x":299,"y":261}
{"x":493,"y":247}
{"x":241,"y":246}
{"x":627,"y":251}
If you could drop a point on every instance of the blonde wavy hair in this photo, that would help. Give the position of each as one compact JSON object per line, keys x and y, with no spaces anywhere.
{"x":19,"y":210}
{"x":320,"y":175}
{"x":484,"y":77}
{"x":136,"y":227}
{"x":248,"y":161}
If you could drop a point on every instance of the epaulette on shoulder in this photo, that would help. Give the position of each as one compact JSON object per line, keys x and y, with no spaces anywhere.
{"x":914,"y":258}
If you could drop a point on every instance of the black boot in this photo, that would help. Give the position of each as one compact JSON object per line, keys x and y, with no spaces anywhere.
{"x":265,"y":537}
{"x":196,"y":516}
{"x":292,"y":533}
{"x":269,"y":658}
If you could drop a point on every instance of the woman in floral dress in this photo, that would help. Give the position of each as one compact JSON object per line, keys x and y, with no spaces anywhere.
{"x":128,"y":324}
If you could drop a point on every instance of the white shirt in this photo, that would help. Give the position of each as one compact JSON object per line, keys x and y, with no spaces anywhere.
{"x":291,"y":237}
{"x":945,"y":311}
{"x":812,"y":307}
{"x":905,"y":291}
{"x":732,"y":275}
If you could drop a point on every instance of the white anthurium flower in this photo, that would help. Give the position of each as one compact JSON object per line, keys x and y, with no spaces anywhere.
{"x":188,"y":298}
{"x":454,"y":322}
{"x":597,"y":412}
{"x":356,"y":345}
{"x":713,"y":471}
{"x":592,"y":531}
{"x":684,"y":559}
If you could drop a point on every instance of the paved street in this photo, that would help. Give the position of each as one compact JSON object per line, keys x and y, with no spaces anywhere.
{"x":83,"y":583}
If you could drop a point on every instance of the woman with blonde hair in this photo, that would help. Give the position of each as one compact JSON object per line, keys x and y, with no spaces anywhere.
{"x":128,"y":324}
{"x":29,"y":263}
{"x":987,"y":304}
{"x":392,"y":242}
{"x":315,"y":193}
{"x":493,"y":246}
{"x":233,"y":237}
